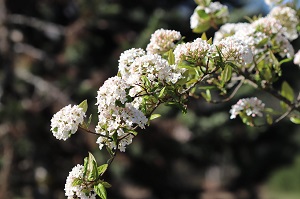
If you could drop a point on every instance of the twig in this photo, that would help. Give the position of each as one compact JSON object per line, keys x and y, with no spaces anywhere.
{"x":231,"y":95}
{"x":52,"y":30}
{"x":94,"y":133}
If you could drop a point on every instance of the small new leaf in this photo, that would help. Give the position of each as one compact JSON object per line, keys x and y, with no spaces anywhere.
{"x":76,"y":182}
{"x":100,"y":191}
{"x":162,"y":92}
{"x":226,"y":74}
{"x":106,"y":184}
{"x":203,"y":36}
{"x":295,"y":120}
{"x":287,"y":91}
{"x":92,"y":167}
{"x":269,"y":119}
{"x":102,"y":169}
{"x":84,"y":105}
{"x":154,"y":116}
{"x":94,"y":172}
{"x":171,"y":57}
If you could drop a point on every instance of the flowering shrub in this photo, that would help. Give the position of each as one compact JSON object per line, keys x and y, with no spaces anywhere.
{"x":171,"y":70}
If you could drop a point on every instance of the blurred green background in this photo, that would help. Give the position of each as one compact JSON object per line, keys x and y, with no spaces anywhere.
{"x":57,"y":52}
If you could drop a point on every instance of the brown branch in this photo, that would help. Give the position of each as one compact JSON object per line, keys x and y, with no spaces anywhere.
{"x":94,"y":133}
{"x":230,"y":96}
{"x":52,"y":30}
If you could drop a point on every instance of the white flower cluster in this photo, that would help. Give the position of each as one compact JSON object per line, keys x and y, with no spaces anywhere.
{"x":251,"y":106}
{"x":273,"y":2}
{"x":118,"y":99}
{"x":152,"y":66}
{"x":76,"y":191}
{"x":212,"y":9}
{"x":285,"y":47}
{"x":234,"y":49}
{"x":288,"y":18}
{"x":116,"y":115}
{"x":127,"y":58}
{"x":192,"y":51}
{"x":229,"y":29}
{"x":162,"y":41}
{"x":65,"y":122}
{"x":268,"y":25}
{"x":215,"y":7}
{"x":276,"y":30}
{"x":297,"y":58}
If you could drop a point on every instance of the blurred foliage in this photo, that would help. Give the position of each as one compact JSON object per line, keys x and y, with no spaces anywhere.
{"x":56,"y":52}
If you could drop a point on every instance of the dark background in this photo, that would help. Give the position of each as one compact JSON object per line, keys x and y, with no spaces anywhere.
{"x":57,"y":52}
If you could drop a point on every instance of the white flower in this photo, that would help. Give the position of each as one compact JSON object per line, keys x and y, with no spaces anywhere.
{"x":127,"y":58}
{"x":162,"y":41}
{"x":76,"y":191}
{"x":234,"y":49}
{"x":214,"y":7}
{"x":285,"y":47}
{"x":215,"y":10}
{"x":297,"y":58}
{"x":65,"y":122}
{"x":288,"y":18}
{"x":155,"y":68}
{"x":230,"y":29}
{"x":268,"y":25}
{"x":116,"y":114}
{"x":195,"y":20}
{"x":251,"y":106}
{"x":192,"y":51}
{"x":273,"y":2}
{"x":113,"y":89}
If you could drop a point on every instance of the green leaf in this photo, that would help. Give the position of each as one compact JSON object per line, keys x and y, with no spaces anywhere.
{"x":92,"y":167}
{"x":287,"y":91}
{"x":162,"y":92}
{"x":76,"y":182}
{"x":202,"y":27}
{"x":203,"y":15}
{"x":269,"y":119}
{"x":276,"y":64}
{"x":154,"y":116}
{"x":89,"y":120}
{"x":106,"y":184}
{"x":221,"y":12}
{"x":85,"y":166}
{"x":210,"y":41}
{"x":262,"y":42}
{"x":146,"y":81}
{"x":100,"y":191}
{"x":203,"y":36}
{"x":102,"y":168}
{"x":115,"y":137}
{"x":119,"y":104}
{"x":171,"y":57}
{"x":204,"y":3}
{"x":285,"y":60}
{"x":295,"y":120}
{"x":84,"y":105}
{"x":206,"y":95}
{"x":226,"y":74}
{"x":93,"y":175}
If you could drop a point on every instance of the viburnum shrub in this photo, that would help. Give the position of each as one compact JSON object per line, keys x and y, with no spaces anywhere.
{"x":170,"y":71}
